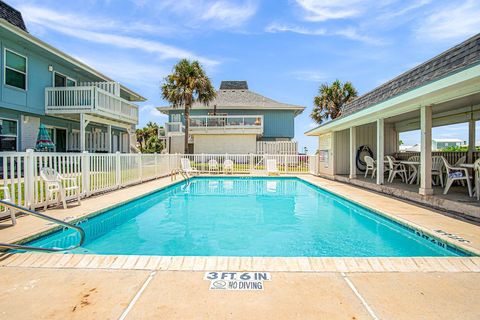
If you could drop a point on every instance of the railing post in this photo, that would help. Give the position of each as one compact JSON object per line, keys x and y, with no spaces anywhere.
{"x":86,"y":173}
{"x":29,"y":178}
{"x":285,"y":164}
{"x":118,"y":168}
{"x":155,"y":162}
{"x":251,"y":164}
{"x":140,"y":169}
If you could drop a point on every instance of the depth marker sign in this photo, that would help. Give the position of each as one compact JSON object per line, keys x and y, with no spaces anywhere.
{"x":237,"y":280}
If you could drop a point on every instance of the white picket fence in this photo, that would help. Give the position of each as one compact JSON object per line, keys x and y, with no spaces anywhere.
{"x":98,"y":173}
{"x":277,"y":147}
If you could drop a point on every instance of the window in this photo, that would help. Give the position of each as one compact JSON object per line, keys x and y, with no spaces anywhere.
{"x":15,"y":70}
{"x":62,"y":81}
{"x":176,"y":117}
{"x":8,"y":135}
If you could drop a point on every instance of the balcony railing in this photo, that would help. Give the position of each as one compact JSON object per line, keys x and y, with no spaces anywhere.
{"x":89,"y":99}
{"x":227,"y":124}
{"x":172,"y":128}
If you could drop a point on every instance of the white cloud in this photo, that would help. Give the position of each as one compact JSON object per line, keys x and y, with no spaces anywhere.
{"x":309,"y":75}
{"x":151,"y":111}
{"x":322,"y":10}
{"x":220,"y":14}
{"x":454,"y":21}
{"x":76,"y":26}
{"x":349,"y":33}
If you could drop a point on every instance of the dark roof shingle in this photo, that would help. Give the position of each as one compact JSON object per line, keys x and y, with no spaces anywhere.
{"x":12,"y":15}
{"x":465,"y":54}
{"x":234,"y":85}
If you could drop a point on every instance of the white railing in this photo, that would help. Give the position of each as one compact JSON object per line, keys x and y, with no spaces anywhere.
{"x":98,"y":173}
{"x":277,"y":147}
{"x":72,"y":100}
{"x":227,"y":123}
{"x":174,"y":128}
{"x":109,"y":86}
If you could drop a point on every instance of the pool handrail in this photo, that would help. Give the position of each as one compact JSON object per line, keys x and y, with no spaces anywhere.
{"x":45,"y":217}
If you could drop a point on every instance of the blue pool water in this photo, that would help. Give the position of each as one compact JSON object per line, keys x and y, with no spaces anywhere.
{"x":246,"y":217}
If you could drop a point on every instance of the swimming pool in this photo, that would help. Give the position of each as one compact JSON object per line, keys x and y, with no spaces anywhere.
{"x":285,"y":217}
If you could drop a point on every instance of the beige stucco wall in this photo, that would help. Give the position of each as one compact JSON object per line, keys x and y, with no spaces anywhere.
{"x":177,"y":144}
{"x":225,"y":143}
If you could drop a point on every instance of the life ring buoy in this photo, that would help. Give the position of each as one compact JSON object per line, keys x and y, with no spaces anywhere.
{"x":361,"y":164}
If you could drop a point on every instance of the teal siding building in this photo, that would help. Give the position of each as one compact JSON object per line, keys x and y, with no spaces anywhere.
{"x":237,"y":121}
{"x":82,"y":109}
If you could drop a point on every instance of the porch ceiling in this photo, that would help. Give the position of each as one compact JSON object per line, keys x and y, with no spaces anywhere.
{"x":454,"y":111}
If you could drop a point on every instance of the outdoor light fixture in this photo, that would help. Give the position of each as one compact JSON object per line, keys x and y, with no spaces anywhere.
{"x":50,"y":68}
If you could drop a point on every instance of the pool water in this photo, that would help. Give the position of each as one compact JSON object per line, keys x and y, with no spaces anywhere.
{"x":246,"y":217}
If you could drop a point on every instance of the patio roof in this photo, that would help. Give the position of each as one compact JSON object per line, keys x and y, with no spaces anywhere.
{"x":459,"y":58}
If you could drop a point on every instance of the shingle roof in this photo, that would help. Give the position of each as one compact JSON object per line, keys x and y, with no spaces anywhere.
{"x":237,"y":97}
{"x":234,"y":85}
{"x":465,"y":54}
{"x":12,"y":15}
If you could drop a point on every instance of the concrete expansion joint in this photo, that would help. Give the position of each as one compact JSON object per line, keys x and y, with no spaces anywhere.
{"x":137,"y":296}
{"x":359,"y":296}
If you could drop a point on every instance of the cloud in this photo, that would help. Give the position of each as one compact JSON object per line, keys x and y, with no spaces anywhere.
{"x":349,"y":33}
{"x":151,"y":110}
{"x":453,"y":21}
{"x":220,"y":14}
{"x":309,"y":75}
{"x":323,"y":10}
{"x":76,"y":26}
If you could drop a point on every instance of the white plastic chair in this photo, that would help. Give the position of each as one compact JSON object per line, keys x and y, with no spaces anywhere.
{"x":437,"y":168}
{"x":187,"y":167}
{"x":212,"y":165}
{"x":8,"y":211}
{"x":272,"y":168}
{"x":476,"y":175}
{"x":395,"y":169}
{"x":54,"y":184}
{"x":370,"y":166}
{"x":228,"y":166}
{"x":456,"y":174}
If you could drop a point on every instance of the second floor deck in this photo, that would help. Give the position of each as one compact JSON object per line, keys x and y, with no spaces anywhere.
{"x":99,"y":99}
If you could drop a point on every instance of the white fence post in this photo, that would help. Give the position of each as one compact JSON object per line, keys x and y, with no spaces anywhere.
{"x":29,"y":181}
{"x":86,"y":173}
{"x":118,"y":169}
{"x":155,"y":156}
{"x":140,"y":169}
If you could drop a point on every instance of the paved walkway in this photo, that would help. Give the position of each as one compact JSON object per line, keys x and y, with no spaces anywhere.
{"x":59,"y":286}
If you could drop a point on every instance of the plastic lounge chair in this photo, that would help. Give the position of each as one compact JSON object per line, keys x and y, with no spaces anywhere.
{"x":187,"y":167}
{"x":456,"y":174}
{"x":437,"y":168}
{"x":396,"y":169}
{"x":212,"y":165}
{"x":272,"y":167}
{"x":7,"y":211}
{"x":54,"y":184}
{"x":370,"y":166}
{"x":228,"y":166}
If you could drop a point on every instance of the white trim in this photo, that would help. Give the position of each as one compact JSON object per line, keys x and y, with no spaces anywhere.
{"x":63,"y":75}
{"x":11,"y":135}
{"x":5,"y":49}
{"x":28,"y":37}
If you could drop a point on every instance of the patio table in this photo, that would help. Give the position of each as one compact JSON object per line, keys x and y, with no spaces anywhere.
{"x":414,"y":165}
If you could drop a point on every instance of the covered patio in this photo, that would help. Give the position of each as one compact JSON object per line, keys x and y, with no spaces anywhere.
{"x":442,"y":91}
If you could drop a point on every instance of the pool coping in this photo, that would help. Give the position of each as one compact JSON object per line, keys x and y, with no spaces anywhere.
{"x":293,"y":264}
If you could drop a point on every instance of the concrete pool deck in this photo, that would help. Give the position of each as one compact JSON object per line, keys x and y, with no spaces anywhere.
{"x":139,"y":287}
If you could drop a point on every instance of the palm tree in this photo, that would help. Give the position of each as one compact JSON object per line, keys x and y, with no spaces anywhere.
{"x":187,"y":84}
{"x":331,"y":99}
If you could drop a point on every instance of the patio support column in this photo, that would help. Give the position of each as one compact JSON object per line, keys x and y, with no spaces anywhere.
{"x":471,"y":139}
{"x":109,"y":139}
{"x":380,"y":150}
{"x":82,"y":132}
{"x":426,"y":151}
{"x":353,"y":147}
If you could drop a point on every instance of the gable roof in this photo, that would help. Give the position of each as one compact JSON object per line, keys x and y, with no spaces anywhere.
{"x":12,"y":15}
{"x":240,"y":99}
{"x":455,"y":59}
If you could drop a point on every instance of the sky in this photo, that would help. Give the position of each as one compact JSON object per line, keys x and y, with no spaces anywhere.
{"x":284,"y":49}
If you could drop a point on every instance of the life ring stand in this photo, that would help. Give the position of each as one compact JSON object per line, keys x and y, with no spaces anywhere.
{"x":361,"y":164}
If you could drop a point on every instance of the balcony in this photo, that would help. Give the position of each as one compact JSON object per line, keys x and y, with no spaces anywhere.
{"x":99,"y":99}
{"x":226,"y":124}
{"x":174,"y":128}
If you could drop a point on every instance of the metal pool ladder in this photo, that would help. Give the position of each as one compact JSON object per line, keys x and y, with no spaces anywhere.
{"x":182,"y":172}
{"x":13,"y":206}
